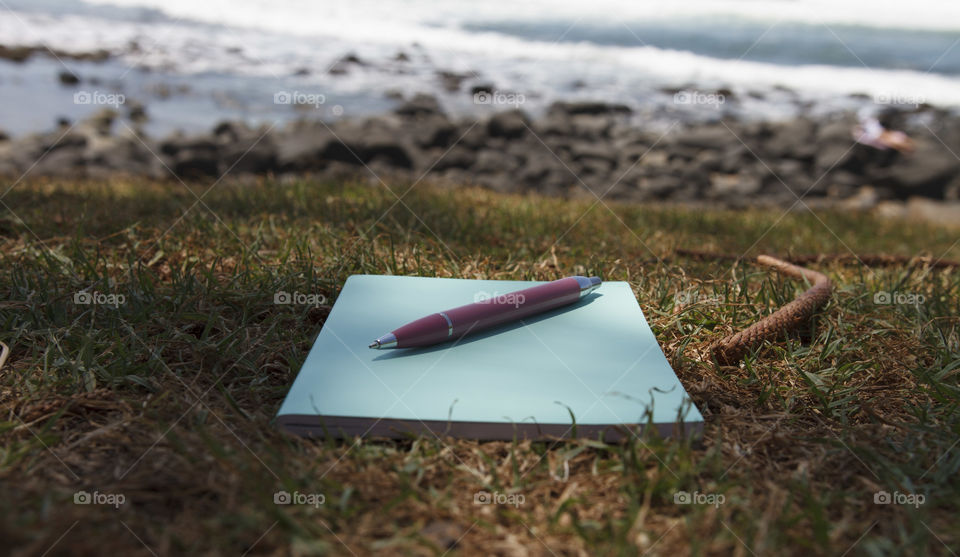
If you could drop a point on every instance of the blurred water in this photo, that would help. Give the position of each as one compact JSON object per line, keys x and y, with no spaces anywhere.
{"x":237,"y":53}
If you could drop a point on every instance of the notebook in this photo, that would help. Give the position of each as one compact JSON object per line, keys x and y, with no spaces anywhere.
{"x":590,"y":369}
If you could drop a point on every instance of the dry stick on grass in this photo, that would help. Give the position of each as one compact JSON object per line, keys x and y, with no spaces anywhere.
{"x":869,"y":259}
{"x":4,"y":352}
{"x":731,"y":349}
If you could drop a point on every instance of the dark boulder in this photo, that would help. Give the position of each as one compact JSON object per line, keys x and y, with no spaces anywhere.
{"x":926,"y":172}
{"x":300,"y":147}
{"x":251,"y":153}
{"x":68,"y":78}
{"x":591,"y":108}
{"x":435,"y":130}
{"x":391,"y":153}
{"x":459,"y":157}
{"x":510,"y":124}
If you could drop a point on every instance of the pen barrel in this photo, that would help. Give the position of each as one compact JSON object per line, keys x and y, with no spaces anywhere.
{"x":492,"y":310}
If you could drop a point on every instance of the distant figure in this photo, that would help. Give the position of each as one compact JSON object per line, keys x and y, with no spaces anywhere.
{"x":871,"y":132}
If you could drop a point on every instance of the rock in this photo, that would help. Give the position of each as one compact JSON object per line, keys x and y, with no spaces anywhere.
{"x":583,"y":152}
{"x":793,"y":139}
{"x":389,"y":152}
{"x":491,"y":161}
{"x":706,"y":137}
{"x":834,"y":140}
{"x":592,"y":108}
{"x":178,"y":143}
{"x":734,"y":185}
{"x":555,"y":124}
{"x":195,"y":156}
{"x":451,"y":81}
{"x":458,"y":157}
{"x":102,"y":121}
{"x":590,"y":127}
{"x":792,"y":173}
{"x":835,"y":155}
{"x":435,"y":130}
{"x":122,"y":153}
{"x":195,"y":163}
{"x":251,"y":153}
{"x":383,"y":141}
{"x":227,"y":132}
{"x":734,"y":157}
{"x":926,"y":172}
{"x":657,"y":187}
{"x":510,"y":124}
{"x":401,"y":56}
{"x":336,"y":150}
{"x":16,"y":54}
{"x":709,"y":160}
{"x":344,"y":64}
{"x":420,"y":105}
{"x":537,"y":166}
{"x":20,"y":54}
{"x":300,"y":147}
{"x":137,"y":112}
{"x":352,"y":58}
{"x":692,"y":179}
{"x":68,"y":78}
{"x":60,"y":162}
{"x":487,"y":88}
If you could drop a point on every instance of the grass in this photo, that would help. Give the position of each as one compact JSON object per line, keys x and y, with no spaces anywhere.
{"x":167,"y":399}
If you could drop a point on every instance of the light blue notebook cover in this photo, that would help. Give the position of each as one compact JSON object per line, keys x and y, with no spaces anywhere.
{"x":596,"y":358}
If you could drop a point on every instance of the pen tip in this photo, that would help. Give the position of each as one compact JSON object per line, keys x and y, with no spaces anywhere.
{"x":375,"y":344}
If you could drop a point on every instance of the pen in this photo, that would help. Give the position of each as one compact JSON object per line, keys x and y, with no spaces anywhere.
{"x":486,"y":313}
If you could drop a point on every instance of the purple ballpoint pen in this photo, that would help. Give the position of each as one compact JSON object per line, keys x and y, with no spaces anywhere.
{"x":479,"y":316}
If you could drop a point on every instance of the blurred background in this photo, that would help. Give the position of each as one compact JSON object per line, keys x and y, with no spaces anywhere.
{"x":195,"y":63}
{"x":729,"y":102}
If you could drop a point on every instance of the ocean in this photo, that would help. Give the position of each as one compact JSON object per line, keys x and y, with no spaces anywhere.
{"x":194,"y":62}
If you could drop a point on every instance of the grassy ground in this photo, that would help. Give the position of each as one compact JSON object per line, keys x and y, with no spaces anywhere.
{"x":167,"y":398}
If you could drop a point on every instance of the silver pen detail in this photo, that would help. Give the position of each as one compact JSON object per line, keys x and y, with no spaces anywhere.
{"x":588,"y":285}
{"x":386,"y":341}
{"x":449,"y":324}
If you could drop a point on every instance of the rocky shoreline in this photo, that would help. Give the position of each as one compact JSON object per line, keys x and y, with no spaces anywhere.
{"x":574,"y":147}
